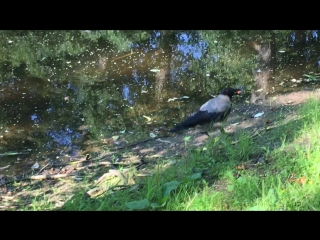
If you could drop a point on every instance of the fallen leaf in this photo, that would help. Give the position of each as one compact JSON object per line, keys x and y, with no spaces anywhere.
{"x":241,"y":167}
{"x":35,"y":166}
{"x":123,"y":131}
{"x":96,"y":191}
{"x":152,"y":135}
{"x":170,"y":162}
{"x":186,"y":138}
{"x":302,"y":180}
{"x":134,"y":187}
{"x":2,"y":168}
{"x":106,"y":140}
{"x":268,"y":121}
{"x":172,"y":99}
{"x":292,"y":178}
{"x":164,"y":141}
{"x":154,"y":70}
{"x":115,"y":138}
{"x":148,"y":118}
{"x":258,"y":115}
{"x":172,"y":144}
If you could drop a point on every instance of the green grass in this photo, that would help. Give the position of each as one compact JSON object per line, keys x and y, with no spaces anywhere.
{"x":212,"y":177}
{"x":288,"y":180}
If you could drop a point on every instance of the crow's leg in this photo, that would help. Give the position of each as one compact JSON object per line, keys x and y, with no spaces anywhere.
{"x":209,"y":128}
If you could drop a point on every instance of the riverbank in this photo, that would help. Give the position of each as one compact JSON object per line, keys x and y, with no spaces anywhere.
{"x":266,"y":163}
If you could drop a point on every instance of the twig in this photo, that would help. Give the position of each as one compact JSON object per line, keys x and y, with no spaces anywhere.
{"x":137,"y":143}
{"x":126,"y":55}
{"x":47,"y":177}
{"x":43,"y":168}
{"x":2,"y":168}
{"x":15,"y":205}
{"x":6,"y":197}
{"x":42,"y":177}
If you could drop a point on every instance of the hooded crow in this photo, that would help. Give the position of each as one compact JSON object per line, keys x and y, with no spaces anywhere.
{"x":215,"y":110}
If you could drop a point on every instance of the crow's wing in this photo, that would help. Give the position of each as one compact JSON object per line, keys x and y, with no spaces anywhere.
{"x":219,"y":104}
{"x":216,"y":109}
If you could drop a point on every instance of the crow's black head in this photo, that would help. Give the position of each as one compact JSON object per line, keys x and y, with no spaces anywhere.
{"x":231,"y":91}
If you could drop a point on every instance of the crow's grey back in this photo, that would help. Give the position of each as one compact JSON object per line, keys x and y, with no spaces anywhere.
{"x":218,"y":104}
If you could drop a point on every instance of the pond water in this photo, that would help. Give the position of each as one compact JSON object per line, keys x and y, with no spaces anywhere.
{"x":62,"y":91}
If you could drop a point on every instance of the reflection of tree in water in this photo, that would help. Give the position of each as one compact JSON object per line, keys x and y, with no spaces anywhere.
{"x":264,"y":71}
{"x":161,"y":78}
{"x":100,"y":64}
{"x":167,"y":43}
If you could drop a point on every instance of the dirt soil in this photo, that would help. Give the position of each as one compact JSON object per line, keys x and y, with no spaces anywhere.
{"x":140,"y":155}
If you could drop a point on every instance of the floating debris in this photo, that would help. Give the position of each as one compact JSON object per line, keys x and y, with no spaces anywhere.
{"x":173,"y":99}
{"x":155,"y":70}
